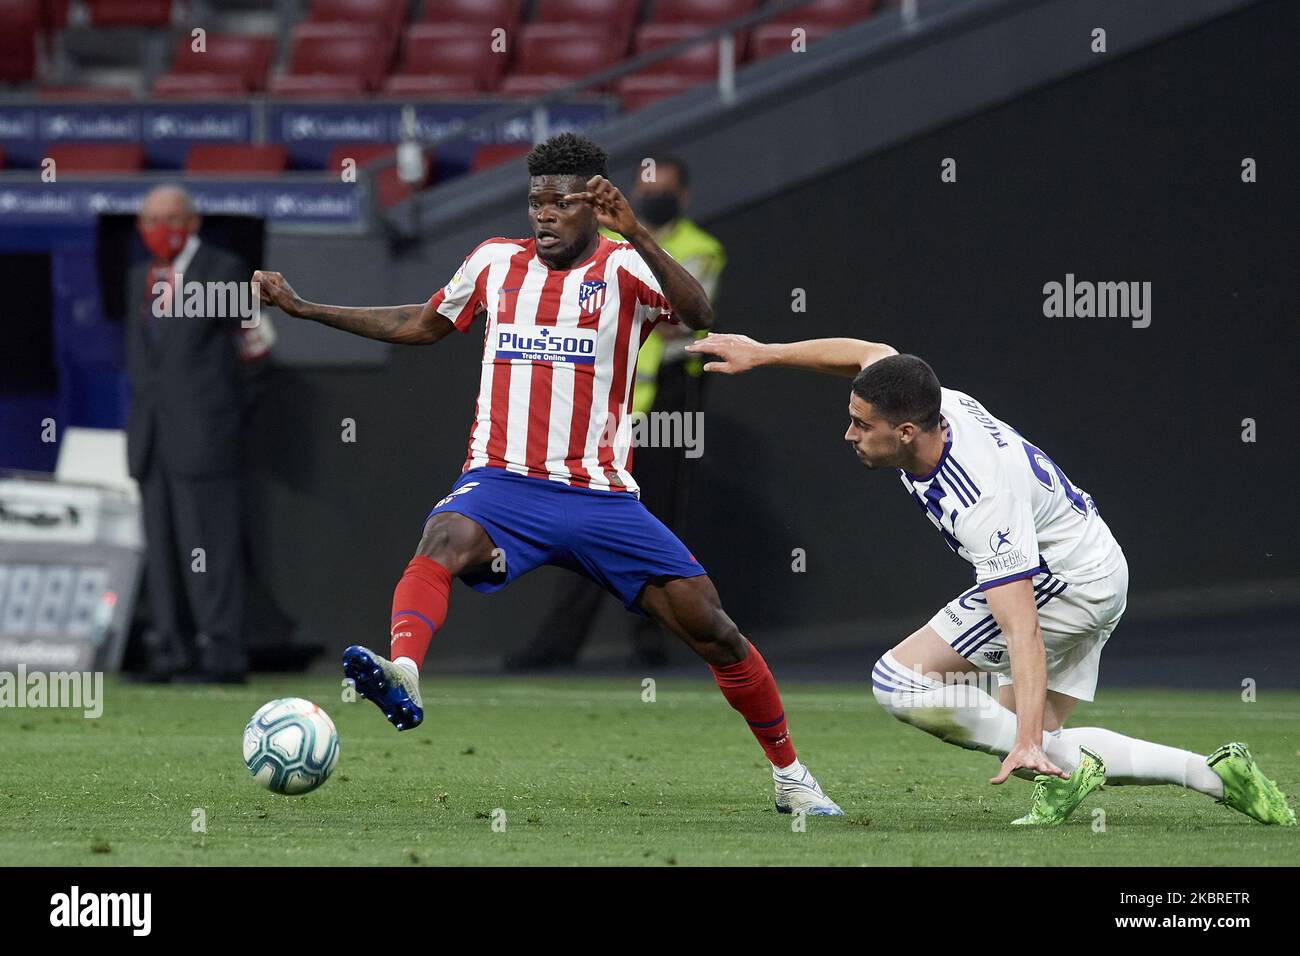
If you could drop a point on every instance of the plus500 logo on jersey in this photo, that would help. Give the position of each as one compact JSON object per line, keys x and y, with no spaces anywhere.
{"x":545,"y":344}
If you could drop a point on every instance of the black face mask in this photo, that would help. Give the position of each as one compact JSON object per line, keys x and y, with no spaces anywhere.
{"x":659,"y":209}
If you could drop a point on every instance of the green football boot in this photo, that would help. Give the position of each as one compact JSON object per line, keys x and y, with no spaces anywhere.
{"x":1246,"y":789}
{"x":1055,"y":799}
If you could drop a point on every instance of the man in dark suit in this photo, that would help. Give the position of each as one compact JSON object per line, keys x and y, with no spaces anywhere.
{"x":183,"y":441}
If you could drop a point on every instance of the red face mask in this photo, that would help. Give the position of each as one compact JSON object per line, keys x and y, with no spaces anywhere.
{"x":164,"y":241}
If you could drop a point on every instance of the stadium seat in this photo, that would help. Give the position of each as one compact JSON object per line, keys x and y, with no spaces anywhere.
{"x":87,"y":93}
{"x":531,"y":86}
{"x":54,"y":15}
{"x":700,"y":60}
{"x":236,"y":159}
{"x":549,"y":52}
{"x":528,"y":86}
{"x":130,"y":13}
{"x":341,"y":49}
{"x":616,"y":16}
{"x":317,"y":86}
{"x":425,"y":85}
{"x":200,"y":86}
{"x":642,"y":89}
{"x":494,"y":13}
{"x":96,"y":158}
{"x":464,"y":52}
{"x":700,"y":11}
{"x":829,"y":13}
{"x":389,"y":187}
{"x":388,"y":14}
{"x":226,"y":54}
{"x":494,"y":154}
{"x":20,"y":19}
{"x":770,"y":39}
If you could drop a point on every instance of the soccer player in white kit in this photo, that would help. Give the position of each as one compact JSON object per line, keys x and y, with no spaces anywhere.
{"x":1050,"y":587}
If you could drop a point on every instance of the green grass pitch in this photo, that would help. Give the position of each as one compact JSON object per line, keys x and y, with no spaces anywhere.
{"x":588,"y":773}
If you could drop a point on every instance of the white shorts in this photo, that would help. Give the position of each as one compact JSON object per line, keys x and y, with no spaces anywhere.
{"x":1076,"y":621}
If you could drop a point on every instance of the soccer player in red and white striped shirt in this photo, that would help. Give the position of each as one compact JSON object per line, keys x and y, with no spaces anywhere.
{"x":546,"y":479}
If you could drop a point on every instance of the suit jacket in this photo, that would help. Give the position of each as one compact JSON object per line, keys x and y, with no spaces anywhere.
{"x":186,"y":380}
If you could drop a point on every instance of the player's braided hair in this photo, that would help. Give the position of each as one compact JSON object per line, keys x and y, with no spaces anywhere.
{"x":568,"y":155}
{"x":902,"y":388}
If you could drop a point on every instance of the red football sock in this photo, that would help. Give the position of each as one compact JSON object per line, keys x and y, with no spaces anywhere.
{"x":751,"y":689}
{"x":419,"y":607}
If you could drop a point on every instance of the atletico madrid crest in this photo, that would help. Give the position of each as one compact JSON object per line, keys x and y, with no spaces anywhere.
{"x":591,"y":296}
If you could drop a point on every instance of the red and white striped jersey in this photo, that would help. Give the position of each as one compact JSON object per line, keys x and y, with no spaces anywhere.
{"x":559,"y":358}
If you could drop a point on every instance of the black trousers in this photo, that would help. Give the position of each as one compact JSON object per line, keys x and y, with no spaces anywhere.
{"x":197,"y":600}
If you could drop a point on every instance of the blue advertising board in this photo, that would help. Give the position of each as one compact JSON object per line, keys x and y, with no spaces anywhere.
{"x":288,"y":200}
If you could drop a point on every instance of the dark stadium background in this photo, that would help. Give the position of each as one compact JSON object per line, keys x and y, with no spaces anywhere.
{"x":1131,"y":172}
{"x":1124,"y":168}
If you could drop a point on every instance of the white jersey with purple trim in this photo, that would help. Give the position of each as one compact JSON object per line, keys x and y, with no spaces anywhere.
{"x":1007,"y":508}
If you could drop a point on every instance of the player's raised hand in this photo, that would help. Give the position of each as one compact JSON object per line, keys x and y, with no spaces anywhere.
{"x":274,"y":289}
{"x":613,"y":211}
{"x":739,"y":353}
{"x":1031,"y":758}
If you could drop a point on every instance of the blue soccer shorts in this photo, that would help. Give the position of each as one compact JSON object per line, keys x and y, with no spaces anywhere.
{"x":608,"y":536}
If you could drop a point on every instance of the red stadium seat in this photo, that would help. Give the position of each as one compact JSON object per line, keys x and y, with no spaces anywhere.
{"x":565,"y":50}
{"x":700,"y":11}
{"x":199,"y":86}
{"x":769,"y":39}
{"x":617,"y":16}
{"x":485,"y":157}
{"x":20,"y":20}
{"x":228,"y":54}
{"x":341,"y":49}
{"x":698,"y":61}
{"x":389,"y":187}
{"x":642,"y":89}
{"x":388,"y":14}
{"x":54,"y":15}
{"x":2,"y":159}
{"x":86,"y":93}
{"x":236,"y":159}
{"x":130,"y":13}
{"x":96,"y":158}
{"x":830,"y":13}
{"x":317,"y":86}
{"x":419,"y":85}
{"x":494,"y":13}
{"x":453,"y":51}
{"x":526,"y":86}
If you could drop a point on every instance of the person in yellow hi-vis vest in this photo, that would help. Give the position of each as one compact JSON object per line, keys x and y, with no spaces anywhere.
{"x":668,"y":379}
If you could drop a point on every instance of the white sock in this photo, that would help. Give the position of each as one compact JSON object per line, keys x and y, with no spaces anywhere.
{"x":793,"y":770}
{"x":409,"y":668}
{"x":1134,"y":762}
{"x":963,"y":714}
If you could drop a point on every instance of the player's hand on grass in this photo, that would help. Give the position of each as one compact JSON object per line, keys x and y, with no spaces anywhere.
{"x":613,"y":211}
{"x":739,"y":353}
{"x":274,"y":289}
{"x":1031,"y":758}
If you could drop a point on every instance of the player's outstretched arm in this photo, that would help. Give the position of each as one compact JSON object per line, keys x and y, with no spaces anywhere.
{"x":739,"y":353}
{"x":689,"y":301}
{"x":417,"y":324}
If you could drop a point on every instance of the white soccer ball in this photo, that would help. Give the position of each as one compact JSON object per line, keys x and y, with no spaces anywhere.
{"x":290,"y":746}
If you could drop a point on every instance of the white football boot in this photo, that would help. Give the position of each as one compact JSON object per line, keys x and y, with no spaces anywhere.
{"x":798,"y":791}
